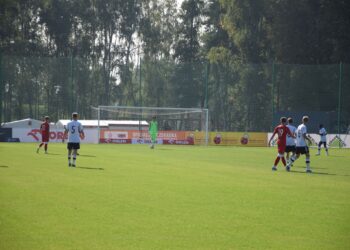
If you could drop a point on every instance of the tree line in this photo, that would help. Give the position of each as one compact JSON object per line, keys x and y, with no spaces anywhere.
{"x":242,"y":59}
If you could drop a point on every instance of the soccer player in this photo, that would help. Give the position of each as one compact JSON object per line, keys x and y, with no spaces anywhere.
{"x":153,"y":131}
{"x":301,"y":145}
{"x":45,"y":134}
{"x":290,"y":145}
{"x":74,"y":129}
{"x":282,"y":131}
{"x":323,"y":140}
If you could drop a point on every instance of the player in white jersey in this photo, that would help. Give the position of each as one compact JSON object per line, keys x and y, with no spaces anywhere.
{"x":290,"y":145}
{"x":301,"y":145}
{"x":74,"y":130}
{"x":323,"y":140}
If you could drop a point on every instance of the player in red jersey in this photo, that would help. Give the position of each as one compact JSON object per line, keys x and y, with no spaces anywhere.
{"x":282,"y":131}
{"x":45,"y":134}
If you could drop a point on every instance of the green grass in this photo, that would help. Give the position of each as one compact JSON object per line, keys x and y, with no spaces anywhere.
{"x":173,"y":197}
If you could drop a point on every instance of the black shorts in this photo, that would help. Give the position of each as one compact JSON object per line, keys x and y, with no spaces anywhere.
{"x":290,"y":149}
{"x":302,"y":150}
{"x":322,"y":142}
{"x":73,"y":145}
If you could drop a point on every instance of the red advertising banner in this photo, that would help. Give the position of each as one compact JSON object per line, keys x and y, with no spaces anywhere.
{"x":141,"y":137}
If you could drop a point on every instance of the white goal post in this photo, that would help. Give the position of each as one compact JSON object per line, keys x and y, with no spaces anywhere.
{"x":129,"y":124}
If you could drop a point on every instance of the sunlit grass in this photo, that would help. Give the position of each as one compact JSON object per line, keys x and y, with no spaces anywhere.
{"x":172,"y":197}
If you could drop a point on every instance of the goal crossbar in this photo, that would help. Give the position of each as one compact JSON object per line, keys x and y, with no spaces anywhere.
{"x":152,"y":108}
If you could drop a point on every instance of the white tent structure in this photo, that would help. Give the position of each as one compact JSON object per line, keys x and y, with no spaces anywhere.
{"x":25,"y":123}
{"x":111,"y":124}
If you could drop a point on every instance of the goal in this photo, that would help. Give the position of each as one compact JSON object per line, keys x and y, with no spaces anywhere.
{"x":124,"y":124}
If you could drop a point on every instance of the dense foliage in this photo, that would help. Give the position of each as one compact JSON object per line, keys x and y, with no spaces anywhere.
{"x":239,"y":58}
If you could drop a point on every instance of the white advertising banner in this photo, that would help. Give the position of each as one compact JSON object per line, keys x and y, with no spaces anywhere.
{"x":333,"y":140}
{"x":34,"y":135}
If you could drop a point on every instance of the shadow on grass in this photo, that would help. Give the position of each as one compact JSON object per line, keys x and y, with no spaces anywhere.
{"x":313,"y":172}
{"x":3,"y":166}
{"x":163,"y":149}
{"x":53,"y":154}
{"x":91,"y":168}
{"x":87,"y":155}
{"x":313,"y":167}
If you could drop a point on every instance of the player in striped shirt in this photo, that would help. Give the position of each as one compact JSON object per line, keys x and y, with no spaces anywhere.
{"x":290,"y":146}
{"x":323,"y":140}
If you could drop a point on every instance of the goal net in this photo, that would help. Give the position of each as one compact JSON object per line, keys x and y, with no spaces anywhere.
{"x":123,"y":125}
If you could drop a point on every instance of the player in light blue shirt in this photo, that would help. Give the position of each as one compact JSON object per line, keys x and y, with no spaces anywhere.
{"x":75,"y":131}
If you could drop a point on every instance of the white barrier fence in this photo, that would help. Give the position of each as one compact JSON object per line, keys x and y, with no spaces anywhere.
{"x":91,"y":136}
{"x":333,"y":140}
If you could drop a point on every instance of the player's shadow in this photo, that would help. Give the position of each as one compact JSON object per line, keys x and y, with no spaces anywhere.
{"x":315,"y":168}
{"x":313,"y":172}
{"x":303,"y":167}
{"x":3,"y":166}
{"x":87,"y":155}
{"x":91,"y":168}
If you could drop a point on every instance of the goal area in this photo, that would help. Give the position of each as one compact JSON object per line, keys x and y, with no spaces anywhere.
{"x":129,"y":125}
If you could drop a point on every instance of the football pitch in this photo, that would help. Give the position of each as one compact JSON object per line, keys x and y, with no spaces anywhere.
{"x":172,"y":197}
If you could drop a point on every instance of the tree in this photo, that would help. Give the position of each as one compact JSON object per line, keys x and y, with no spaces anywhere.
{"x":158,"y":36}
{"x":187,"y":78}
